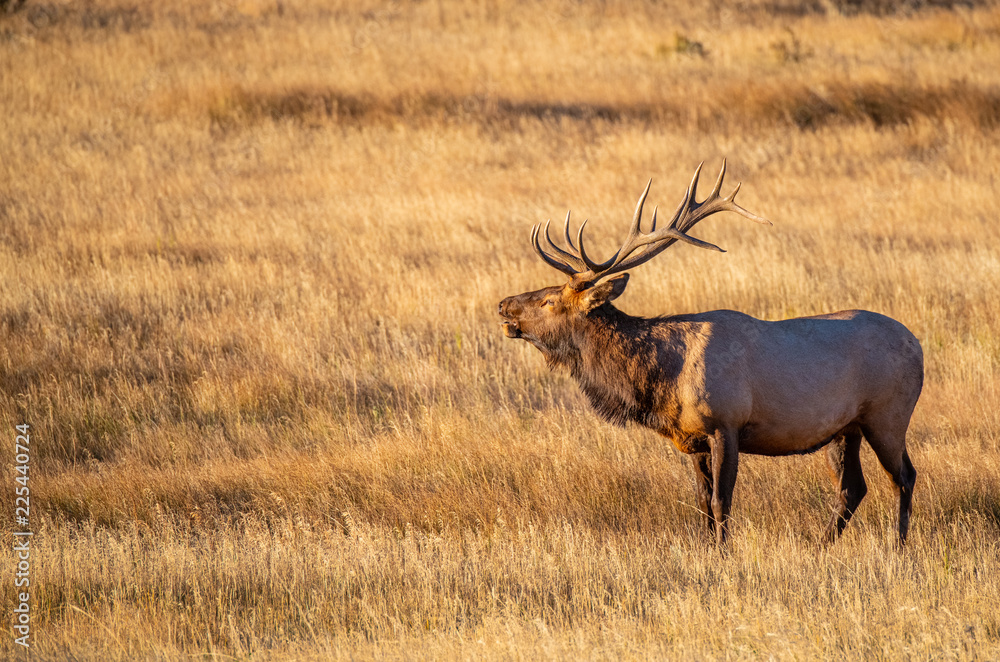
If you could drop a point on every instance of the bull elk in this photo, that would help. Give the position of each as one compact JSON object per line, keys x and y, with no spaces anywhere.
{"x":722,"y":383}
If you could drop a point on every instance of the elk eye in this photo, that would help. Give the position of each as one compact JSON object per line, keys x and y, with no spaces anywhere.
{"x":549,"y":303}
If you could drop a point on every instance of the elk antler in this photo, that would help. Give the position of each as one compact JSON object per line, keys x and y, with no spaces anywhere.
{"x":582,"y":270}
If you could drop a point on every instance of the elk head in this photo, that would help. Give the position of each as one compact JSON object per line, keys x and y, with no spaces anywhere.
{"x":550,"y":318}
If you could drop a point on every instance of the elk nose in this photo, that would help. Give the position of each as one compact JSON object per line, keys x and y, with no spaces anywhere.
{"x":502,"y":307}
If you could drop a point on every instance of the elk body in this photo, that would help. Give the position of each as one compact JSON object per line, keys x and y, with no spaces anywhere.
{"x":722,"y":383}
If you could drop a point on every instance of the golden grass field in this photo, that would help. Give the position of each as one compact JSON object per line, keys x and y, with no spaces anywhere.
{"x":250,"y":258}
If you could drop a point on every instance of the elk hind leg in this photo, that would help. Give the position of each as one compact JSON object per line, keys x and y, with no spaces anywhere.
{"x":843,"y":456}
{"x":701,"y":463}
{"x":890,"y":449}
{"x":909,"y":478}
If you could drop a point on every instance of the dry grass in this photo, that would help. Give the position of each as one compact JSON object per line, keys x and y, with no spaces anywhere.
{"x":250,"y":256}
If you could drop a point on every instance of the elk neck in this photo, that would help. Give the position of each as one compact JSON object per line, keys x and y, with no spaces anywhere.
{"x":624,"y":364}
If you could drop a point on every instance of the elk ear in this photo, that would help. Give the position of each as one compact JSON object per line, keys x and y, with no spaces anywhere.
{"x":599,"y":295}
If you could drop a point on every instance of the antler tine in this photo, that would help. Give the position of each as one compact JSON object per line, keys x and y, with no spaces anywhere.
{"x":637,"y":218}
{"x":731,"y":200}
{"x":635,"y":231}
{"x":569,"y":240}
{"x":694,"y":241}
{"x":583,"y":252}
{"x":688,"y":197}
{"x":549,"y":260}
{"x":693,"y":186}
{"x":718,"y":182}
{"x":595,"y":267}
{"x":677,"y":234}
{"x":567,"y":257}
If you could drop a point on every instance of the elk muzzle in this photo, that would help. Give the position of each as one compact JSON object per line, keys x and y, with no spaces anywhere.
{"x":506,"y":309}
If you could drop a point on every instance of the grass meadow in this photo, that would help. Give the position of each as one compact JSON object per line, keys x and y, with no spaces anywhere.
{"x":250,"y":258}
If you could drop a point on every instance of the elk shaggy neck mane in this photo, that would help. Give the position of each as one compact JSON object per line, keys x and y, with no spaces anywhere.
{"x":619,"y":362}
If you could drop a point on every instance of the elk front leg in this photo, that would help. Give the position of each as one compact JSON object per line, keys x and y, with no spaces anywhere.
{"x":725,"y":462}
{"x":701,"y":463}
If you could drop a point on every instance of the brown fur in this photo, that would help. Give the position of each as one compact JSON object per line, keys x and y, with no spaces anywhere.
{"x":722,"y":383}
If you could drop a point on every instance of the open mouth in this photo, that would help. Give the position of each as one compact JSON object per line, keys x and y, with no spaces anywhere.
{"x":510,"y":329}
